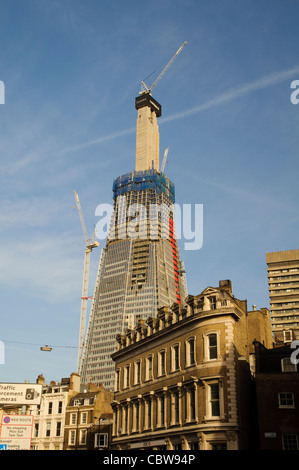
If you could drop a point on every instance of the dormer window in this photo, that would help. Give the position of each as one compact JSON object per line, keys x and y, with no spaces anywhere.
{"x":213,"y":302}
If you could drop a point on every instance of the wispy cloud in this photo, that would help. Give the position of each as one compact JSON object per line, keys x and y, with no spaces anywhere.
{"x":46,"y":268}
{"x":99,"y":140}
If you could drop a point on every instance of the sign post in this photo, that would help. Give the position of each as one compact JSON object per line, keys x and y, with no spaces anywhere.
{"x":16,"y":432}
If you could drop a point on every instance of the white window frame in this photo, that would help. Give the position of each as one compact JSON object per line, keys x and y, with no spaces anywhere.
{"x":207,"y":348}
{"x":83,"y":437}
{"x":97,"y":440}
{"x":287,"y":336}
{"x":84,"y":416}
{"x":72,"y":437}
{"x":282,"y":396}
{"x":73,"y":418}
{"x":208,"y":383}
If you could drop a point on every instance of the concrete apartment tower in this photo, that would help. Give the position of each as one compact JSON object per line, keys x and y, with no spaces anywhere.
{"x":283,"y":280}
{"x":140,"y":269}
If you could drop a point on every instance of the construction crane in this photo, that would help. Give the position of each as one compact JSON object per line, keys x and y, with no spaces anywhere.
{"x":90,"y":244}
{"x":164,"y":160}
{"x":145,"y":89}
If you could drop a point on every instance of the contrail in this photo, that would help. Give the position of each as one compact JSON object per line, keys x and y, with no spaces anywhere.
{"x":99,"y":140}
{"x":230,"y":95}
{"x":263,"y":82}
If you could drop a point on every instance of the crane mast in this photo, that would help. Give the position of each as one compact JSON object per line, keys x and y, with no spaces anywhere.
{"x":164,"y":159}
{"x":90,"y":244}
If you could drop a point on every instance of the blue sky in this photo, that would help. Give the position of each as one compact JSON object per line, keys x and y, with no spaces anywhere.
{"x":72,"y":70}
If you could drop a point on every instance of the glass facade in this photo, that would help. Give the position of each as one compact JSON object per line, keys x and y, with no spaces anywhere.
{"x":139,"y":271}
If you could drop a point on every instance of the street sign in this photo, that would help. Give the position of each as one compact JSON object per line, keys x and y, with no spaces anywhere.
{"x":16,"y":432}
{"x":20,"y":394}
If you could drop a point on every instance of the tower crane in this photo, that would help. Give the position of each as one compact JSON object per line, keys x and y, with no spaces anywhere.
{"x":145,"y":89}
{"x":90,"y":244}
{"x":164,"y":159}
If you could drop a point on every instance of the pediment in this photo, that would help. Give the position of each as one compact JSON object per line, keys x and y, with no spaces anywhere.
{"x":210,"y":291}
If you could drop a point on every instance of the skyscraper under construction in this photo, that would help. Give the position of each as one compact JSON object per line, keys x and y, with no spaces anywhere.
{"x":140,"y":268}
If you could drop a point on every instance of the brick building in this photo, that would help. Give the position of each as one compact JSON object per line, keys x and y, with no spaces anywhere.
{"x":277,"y":397}
{"x":88,"y":419}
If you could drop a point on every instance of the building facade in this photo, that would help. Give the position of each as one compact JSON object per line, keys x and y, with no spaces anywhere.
{"x":183,"y":378}
{"x":283,"y":280}
{"x":277,"y":397}
{"x":88,"y":420}
{"x":49,"y":416}
{"x":140,"y":268}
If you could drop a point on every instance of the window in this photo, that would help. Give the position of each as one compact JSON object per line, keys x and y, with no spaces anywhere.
{"x":286,"y":400}
{"x":36,"y":430}
{"x":175,"y":359}
{"x":161,"y":411}
{"x":83,"y":435}
{"x":50,"y":408}
{"x":287,"y":365}
{"x":126,"y":417}
{"x":161,"y":363}
{"x":287,"y":335}
{"x":137,"y":372}
{"x":72,"y":438}
{"x":211,"y":349}
{"x":192,"y":403}
{"x":48,"y":429}
{"x":115,"y":421}
{"x":101,"y":440}
{"x":290,"y":442}
{"x":58,"y":428}
{"x":73,"y":418}
{"x":214,"y":399}
{"x":60,"y":407}
{"x":213,"y":302}
{"x":190,"y":352}
{"x":213,"y":346}
{"x":127,"y":377}
{"x":149,"y":368}
{"x":84,"y":417}
{"x":117,"y":376}
{"x":137,"y":416}
{"x":219,"y":446}
{"x":149,"y":413}
{"x":175,"y":409}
